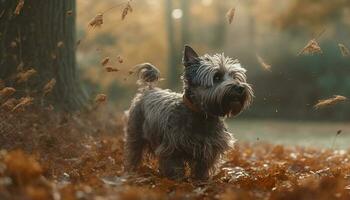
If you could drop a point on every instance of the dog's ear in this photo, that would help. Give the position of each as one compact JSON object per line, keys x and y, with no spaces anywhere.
{"x":189,"y":56}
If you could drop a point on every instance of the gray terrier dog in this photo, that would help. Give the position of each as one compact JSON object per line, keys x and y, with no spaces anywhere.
{"x":188,"y":127}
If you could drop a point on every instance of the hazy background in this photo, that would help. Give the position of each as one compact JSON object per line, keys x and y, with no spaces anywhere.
{"x":156,"y":31}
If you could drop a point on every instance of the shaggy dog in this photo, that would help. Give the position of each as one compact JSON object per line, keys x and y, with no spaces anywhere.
{"x":187,"y":127}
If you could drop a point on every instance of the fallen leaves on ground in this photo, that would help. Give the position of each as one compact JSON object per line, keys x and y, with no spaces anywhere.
{"x":230,"y":15}
{"x":312,"y":47}
{"x":331,"y":101}
{"x":37,"y":161}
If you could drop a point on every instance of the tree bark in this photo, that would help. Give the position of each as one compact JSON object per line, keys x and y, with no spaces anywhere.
{"x":42,"y":37}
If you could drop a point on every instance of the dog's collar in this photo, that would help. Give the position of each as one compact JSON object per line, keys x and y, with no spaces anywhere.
{"x":190,"y":105}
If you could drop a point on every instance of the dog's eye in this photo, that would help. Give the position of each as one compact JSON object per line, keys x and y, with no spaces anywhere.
{"x":217,"y":77}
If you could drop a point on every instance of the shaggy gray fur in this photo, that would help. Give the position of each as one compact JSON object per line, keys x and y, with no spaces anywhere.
{"x":176,"y":133}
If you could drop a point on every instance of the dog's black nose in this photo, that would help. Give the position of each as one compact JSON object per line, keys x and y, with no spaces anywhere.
{"x":238,"y":88}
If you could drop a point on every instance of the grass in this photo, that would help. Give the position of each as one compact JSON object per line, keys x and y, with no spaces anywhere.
{"x":308,"y":134}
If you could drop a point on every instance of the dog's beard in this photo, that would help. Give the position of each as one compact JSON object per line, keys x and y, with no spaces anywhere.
{"x":222,"y":102}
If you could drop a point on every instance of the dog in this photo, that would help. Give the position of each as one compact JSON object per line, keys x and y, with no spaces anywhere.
{"x":186,"y":128}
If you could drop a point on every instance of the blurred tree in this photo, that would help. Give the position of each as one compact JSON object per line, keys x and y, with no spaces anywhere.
{"x":220,"y":25}
{"x":172,"y":62}
{"x":185,"y":33}
{"x":40,"y":34}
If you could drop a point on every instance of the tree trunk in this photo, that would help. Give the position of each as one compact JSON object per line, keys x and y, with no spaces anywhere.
{"x":173,"y":71}
{"x":42,"y":37}
{"x":185,"y":34}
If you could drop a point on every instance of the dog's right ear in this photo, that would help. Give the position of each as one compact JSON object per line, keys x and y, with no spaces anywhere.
{"x":189,"y":56}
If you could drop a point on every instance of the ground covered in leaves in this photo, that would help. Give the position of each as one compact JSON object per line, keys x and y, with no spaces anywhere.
{"x":79,"y":156}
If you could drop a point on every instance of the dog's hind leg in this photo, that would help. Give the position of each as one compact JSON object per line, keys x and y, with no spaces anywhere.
{"x":172,"y":167}
{"x":135,"y":142}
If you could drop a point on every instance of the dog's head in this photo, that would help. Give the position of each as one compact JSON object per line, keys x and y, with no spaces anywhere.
{"x":215,"y":84}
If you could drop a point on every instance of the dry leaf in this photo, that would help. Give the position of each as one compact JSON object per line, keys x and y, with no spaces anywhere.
{"x":111,"y":69}
{"x":70,"y":12}
{"x":49,"y":86}
{"x":331,"y":101}
{"x":21,"y":167}
{"x":100,"y":98}
{"x":2,"y":84}
{"x":131,"y":72}
{"x":120,"y":59}
{"x":7,"y":91}
{"x":60,"y":44}
{"x":24,"y":76}
{"x":230,"y":15}
{"x":263,"y":64}
{"x":97,"y":21}
{"x":312,"y":47}
{"x":78,"y":43}
{"x":9,"y":104}
{"x":23,"y":102}
{"x":105,"y":61}
{"x":344,"y":50}
{"x":20,"y":67}
{"x":126,"y":10}
{"x":13,"y":44}
{"x":19,"y":7}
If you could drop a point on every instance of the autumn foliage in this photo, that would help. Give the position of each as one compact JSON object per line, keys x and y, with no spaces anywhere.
{"x":75,"y":156}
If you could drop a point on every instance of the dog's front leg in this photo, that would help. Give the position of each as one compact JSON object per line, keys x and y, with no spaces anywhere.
{"x":172,"y":167}
{"x":200,"y":170}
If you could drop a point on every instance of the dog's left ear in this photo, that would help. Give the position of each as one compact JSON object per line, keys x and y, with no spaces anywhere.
{"x":189,"y":57}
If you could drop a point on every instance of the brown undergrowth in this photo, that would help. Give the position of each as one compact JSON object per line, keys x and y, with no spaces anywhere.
{"x":45,"y":155}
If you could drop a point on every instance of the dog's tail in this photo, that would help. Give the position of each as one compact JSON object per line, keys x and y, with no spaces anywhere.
{"x":148,"y":74}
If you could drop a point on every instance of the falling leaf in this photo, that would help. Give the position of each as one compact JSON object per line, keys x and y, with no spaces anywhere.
{"x":20,"y":66}
{"x":339,"y":132}
{"x":9,"y":104}
{"x":19,"y":7}
{"x":97,"y":21}
{"x":126,"y":10}
{"x":53,"y":56}
{"x":13,"y":44}
{"x":70,"y":12}
{"x":78,"y":43}
{"x":24,"y":76}
{"x":230,"y":15}
{"x":49,"y":86}
{"x":23,"y":102}
{"x":331,"y":101}
{"x":312,"y":47}
{"x":111,"y":69}
{"x":120,"y":59}
{"x":2,"y":84}
{"x":60,"y":44}
{"x":344,"y":50}
{"x":131,"y":72}
{"x":100,"y":98}
{"x":7,"y":91}
{"x":105,"y":61}
{"x":263,"y":64}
